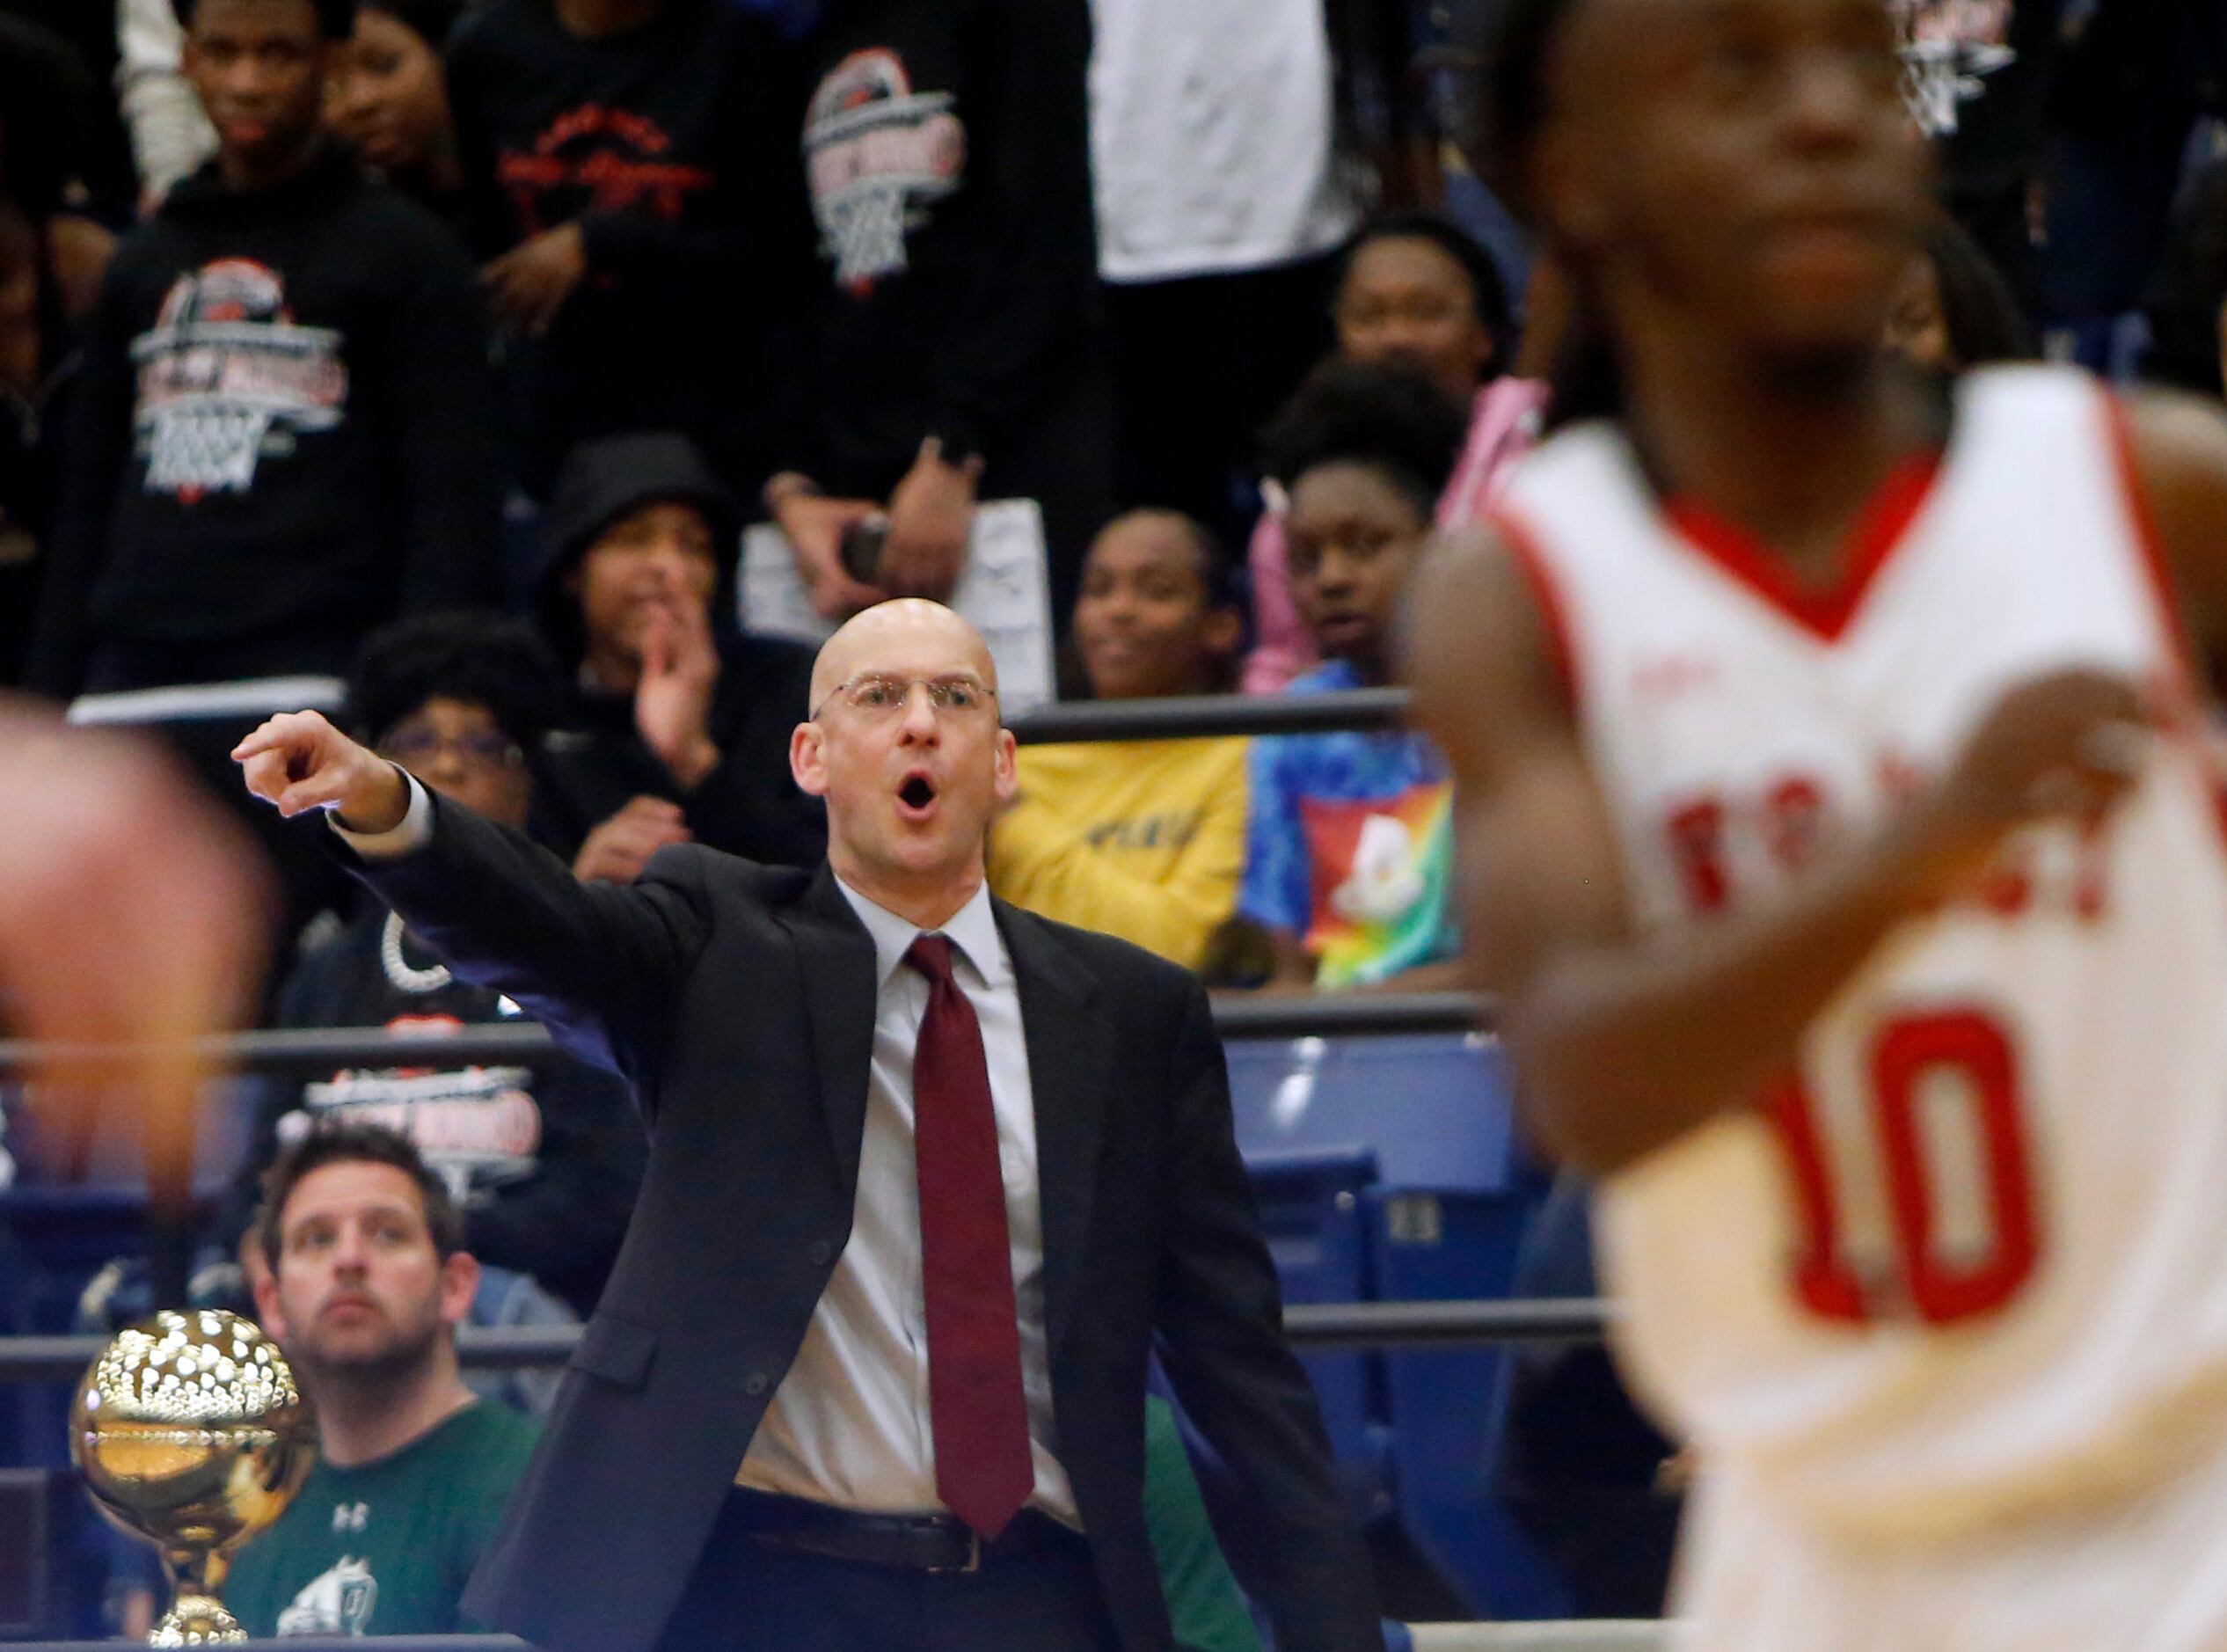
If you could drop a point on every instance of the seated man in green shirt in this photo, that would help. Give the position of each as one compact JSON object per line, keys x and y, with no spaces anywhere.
{"x":1206,"y":1607}
{"x":368,"y":1280}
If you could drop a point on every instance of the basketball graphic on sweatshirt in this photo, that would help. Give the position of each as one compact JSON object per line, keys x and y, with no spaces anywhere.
{"x":226,"y":376}
{"x":877,"y":154}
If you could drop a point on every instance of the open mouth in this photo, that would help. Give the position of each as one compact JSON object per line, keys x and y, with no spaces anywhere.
{"x":916,"y":796}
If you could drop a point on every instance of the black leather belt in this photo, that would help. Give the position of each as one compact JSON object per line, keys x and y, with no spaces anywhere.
{"x":915,"y":1543}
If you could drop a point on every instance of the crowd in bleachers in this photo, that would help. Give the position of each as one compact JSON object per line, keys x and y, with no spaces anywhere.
{"x":388,"y":310}
{"x":450,"y":351}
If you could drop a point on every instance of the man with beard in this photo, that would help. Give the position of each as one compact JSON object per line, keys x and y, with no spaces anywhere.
{"x":368,"y":1282}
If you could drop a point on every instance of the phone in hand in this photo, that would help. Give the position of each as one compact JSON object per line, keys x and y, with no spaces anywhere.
{"x":860,"y":549}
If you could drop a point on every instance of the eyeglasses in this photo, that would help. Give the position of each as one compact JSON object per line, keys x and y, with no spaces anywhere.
{"x":876,"y":696}
{"x":487,"y":749}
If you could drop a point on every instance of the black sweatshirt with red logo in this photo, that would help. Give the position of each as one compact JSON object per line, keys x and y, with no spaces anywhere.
{"x":674,"y":146}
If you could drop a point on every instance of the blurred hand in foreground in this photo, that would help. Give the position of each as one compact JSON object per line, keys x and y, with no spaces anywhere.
{"x":132,"y":909}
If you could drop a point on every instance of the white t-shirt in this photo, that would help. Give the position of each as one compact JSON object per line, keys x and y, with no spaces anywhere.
{"x":1211,"y":137}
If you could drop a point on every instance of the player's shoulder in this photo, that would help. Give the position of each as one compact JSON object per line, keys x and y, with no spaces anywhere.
{"x":1486,"y":645}
{"x":2172,"y":446}
{"x":1584,"y":454}
{"x":2151,"y":425}
{"x":2174,"y":450}
{"x":2173,"y":437}
{"x":1471,"y":567}
{"x":1478,"y":588}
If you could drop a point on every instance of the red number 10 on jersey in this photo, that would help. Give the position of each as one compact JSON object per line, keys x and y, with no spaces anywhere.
{"x":1921,"y":1063}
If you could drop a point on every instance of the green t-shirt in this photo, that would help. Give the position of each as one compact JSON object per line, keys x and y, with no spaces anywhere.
{"x":385,"y":1548}
{"x":1204,"y":1601}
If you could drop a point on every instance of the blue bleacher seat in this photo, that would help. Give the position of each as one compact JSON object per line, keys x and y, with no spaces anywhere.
{"x":1443,"y":1218}
{"x":1445,"y":1407}
{"x":1311,"y":1212}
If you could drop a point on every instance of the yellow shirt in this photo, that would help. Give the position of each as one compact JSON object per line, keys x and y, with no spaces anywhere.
{"x":1141,"y":838}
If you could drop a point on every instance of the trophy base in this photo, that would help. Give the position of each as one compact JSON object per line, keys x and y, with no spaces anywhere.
{"x":197,"y":1620}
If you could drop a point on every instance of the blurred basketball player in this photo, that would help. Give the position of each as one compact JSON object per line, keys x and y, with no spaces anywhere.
{"x":1835,"y":834}
{"x":131,"y":909}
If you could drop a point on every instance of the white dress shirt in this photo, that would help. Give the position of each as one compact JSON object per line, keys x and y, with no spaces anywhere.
{"x":850,"y":1423}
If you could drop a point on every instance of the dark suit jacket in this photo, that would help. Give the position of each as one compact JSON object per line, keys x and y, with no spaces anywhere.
{"x":739,"y":1000}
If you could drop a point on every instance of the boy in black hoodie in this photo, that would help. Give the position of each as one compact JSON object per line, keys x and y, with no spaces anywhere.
{"x":283,"y":437}
{"x":680,"y":725}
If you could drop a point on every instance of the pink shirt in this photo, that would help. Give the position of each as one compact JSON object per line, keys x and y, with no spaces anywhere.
{"x":1503,"y":426}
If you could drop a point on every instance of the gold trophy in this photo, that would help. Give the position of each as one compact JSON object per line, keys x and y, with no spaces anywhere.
{"x":191,"y":1433}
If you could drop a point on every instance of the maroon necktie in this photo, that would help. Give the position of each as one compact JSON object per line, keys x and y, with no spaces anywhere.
{"x":980,"y":1416}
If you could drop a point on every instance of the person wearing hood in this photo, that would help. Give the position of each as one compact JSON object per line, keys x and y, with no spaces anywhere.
{"x":283,"y":435}
{"x":680,"y":725}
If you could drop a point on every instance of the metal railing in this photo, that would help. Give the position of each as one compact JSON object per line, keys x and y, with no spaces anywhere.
{"x":1198,"y":717}
{"x":1187,"y":717}
{"x":311,"y":1050}
{"x":1316,"y":1327}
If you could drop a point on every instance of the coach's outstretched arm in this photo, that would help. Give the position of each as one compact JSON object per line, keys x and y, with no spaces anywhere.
{"x":1621,"y":1042}
{"x":597,"y":964}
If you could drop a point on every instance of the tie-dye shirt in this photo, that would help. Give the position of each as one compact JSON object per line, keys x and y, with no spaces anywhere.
{"x":1349,"y":846}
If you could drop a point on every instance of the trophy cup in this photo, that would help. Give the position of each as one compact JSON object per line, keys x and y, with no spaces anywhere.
{"x":191,"y":1433}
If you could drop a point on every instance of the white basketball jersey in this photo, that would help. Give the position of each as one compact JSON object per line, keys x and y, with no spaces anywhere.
{"x":1970,"y":1262}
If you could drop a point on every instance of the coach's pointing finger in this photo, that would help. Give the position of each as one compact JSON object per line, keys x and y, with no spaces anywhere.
{"x":298,"y":760}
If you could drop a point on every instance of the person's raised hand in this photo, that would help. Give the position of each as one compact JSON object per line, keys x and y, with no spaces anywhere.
{"x":931,"y":516}
{"x":298,"y":761}
{"x":618,"y":850}
{"x":673,"y":698}
{"x":2065,"y":747}
{"x":527,"y":286}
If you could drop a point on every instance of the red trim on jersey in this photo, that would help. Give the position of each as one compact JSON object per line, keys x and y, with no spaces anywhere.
{"x":2119,"y":432}
{"x":1878,"y":533}
{"x":2186,"y":720}
{"x":1530,"y":556}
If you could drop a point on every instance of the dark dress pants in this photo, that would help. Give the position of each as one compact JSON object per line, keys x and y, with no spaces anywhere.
{"x":745,"y":1597}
